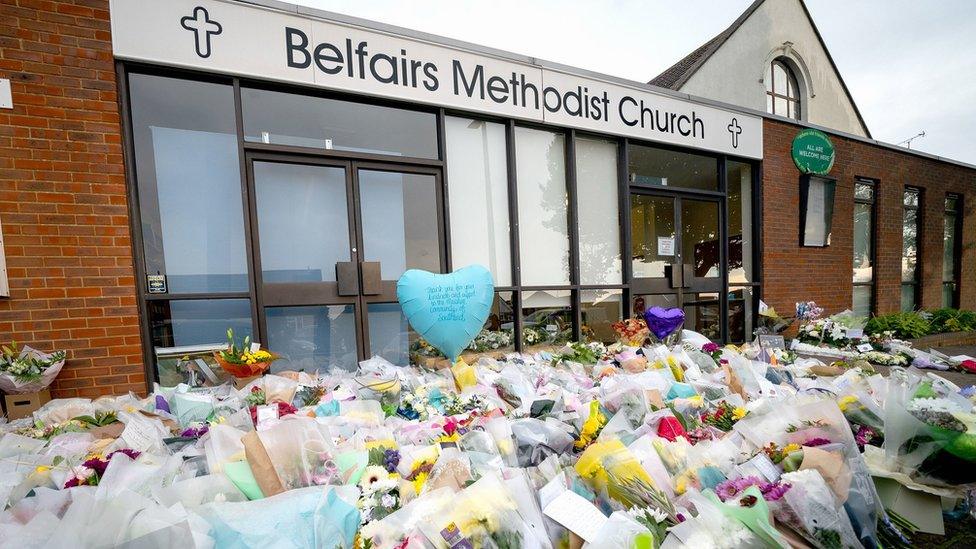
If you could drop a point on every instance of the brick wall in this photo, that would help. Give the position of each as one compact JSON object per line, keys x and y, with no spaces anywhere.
{"x":63,"y":197}
{"x":791,"y":273}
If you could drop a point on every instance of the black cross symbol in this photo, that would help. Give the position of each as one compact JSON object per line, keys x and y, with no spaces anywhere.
{"x":735,"y":130}
{"x":202,"y":27}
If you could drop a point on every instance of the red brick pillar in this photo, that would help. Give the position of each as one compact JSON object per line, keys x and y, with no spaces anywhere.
{"x":63,"y":197}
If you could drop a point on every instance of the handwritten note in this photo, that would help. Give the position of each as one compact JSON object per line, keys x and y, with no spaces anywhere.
{"x":576,"y":514}
{"x":447,"y":302}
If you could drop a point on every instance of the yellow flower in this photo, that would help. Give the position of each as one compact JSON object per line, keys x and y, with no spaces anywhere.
{"x":845,"y":402}
{"x":418,"y":482}
{"x":42,"y":469}
{"x":738,"y":413}
{"x":591,"y":426}
{"x":681,"y":486}
{"x":790,"y":448}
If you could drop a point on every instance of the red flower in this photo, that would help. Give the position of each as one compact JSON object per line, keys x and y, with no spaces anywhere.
{"x":969,"y":366}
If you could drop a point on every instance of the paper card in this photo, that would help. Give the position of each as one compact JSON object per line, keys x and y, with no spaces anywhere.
{"x":763,"y":307}
{"x":772,"y":342}
{"x":266,"y":414}
{"x":865,"y":348}
{"x":576,"y":514}
{"x":665,"y":245}
{"x":255,"y":346}
{"x":855,"y":333}
{"x":766,"y":466}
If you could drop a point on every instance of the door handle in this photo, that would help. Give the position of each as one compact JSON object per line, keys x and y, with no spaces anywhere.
{"x":371,"y":278}
{"x":347,"y":277}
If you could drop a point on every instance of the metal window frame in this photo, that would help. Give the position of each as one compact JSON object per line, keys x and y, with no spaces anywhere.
{"x":248,"y":148}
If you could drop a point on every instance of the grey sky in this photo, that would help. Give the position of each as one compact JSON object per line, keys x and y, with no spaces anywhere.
{"x":910,"y":65}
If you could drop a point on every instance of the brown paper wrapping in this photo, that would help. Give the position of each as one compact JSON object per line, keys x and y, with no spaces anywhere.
{"x":261,"y":466}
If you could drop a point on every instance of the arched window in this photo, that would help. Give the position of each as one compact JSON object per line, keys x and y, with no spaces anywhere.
{"x":782,"y":90}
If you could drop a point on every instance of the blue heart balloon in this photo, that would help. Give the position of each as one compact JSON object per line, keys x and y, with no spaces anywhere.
{"x":448,"y":310}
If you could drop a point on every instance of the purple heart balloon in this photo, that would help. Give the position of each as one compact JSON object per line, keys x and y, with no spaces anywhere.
{"x":663,"y":322}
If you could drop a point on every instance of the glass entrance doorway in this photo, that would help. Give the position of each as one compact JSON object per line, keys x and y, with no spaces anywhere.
{"x":331,"y":239}
{"x":677,"y":256}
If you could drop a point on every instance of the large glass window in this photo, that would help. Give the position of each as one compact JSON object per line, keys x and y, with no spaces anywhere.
{"x":542,"y":207}
{"x":910,"y":271}
{"x":598,"y":206}
{"x":652,"y":221}
{"x":399,"y":221}
{"x":952,"y":232}
{"x":315,"y":338}
{"x":303,"y":225}
{"x":177,"y":327}
{"x":864,"y":196}
{"x":665,"y":168}
{"x":741,"y":221}
{"x":547,"y":319}
{"x":477,"y":175}
{"x":189,"y":179}
{"x":307,"y":121}
{"x":600,"y":309}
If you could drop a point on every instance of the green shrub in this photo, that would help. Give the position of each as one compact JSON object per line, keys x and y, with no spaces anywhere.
{"x":952,"y":320}
{"x":910,"y":325}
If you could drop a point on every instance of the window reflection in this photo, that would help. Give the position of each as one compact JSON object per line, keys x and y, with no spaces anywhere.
{"x":317,"y":338}
{"x":665,"y":168}
{"x":547,"y":319}
{"x":652,"y":231}
{"x":600,"y":309}
{"x":740,"y":249}
{"x":542,"y":207}
{"x":307,"y":121}
{"x":699,"y":237}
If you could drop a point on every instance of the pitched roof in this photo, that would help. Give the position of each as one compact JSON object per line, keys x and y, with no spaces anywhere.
{"x":676,"y":75}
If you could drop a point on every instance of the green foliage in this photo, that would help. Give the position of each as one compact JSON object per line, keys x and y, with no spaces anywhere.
{"x":909,"y":325}
{"x":913,"y":325}
{"x":100,"y":419}
{"x":953,"y":320}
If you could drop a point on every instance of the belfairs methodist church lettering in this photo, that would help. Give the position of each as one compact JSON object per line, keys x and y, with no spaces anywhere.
{"x":356,"y":60}
{"x":307,"y":47}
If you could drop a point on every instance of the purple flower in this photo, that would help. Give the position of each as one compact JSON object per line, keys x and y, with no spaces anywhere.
{"x":391,"y":458}
{"x":710,"y":347}
{"x":771,"y":491}
{"x":817,"y":441}
{"x":195,"y":432}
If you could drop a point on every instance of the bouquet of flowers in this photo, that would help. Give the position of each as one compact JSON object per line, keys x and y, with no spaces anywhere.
{"x":724,"y":417}
{"x":823,"y":331}
{"x":242,"y":361}
{"x":632,"y":332}
{"x":28,"y":370}
{"x":809,"y":508}
{"x":488,"y":340}
{"x":930,"y":433}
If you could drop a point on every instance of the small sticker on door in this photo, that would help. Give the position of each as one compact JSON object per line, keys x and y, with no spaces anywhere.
{"x":156,"y":283}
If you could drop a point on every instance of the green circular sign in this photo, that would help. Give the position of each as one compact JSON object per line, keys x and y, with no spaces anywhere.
{"x":813,"y":152}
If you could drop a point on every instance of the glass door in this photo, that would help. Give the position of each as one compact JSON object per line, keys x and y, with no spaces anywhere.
{"x":332,"y":237}
{"x":677,"y":258}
